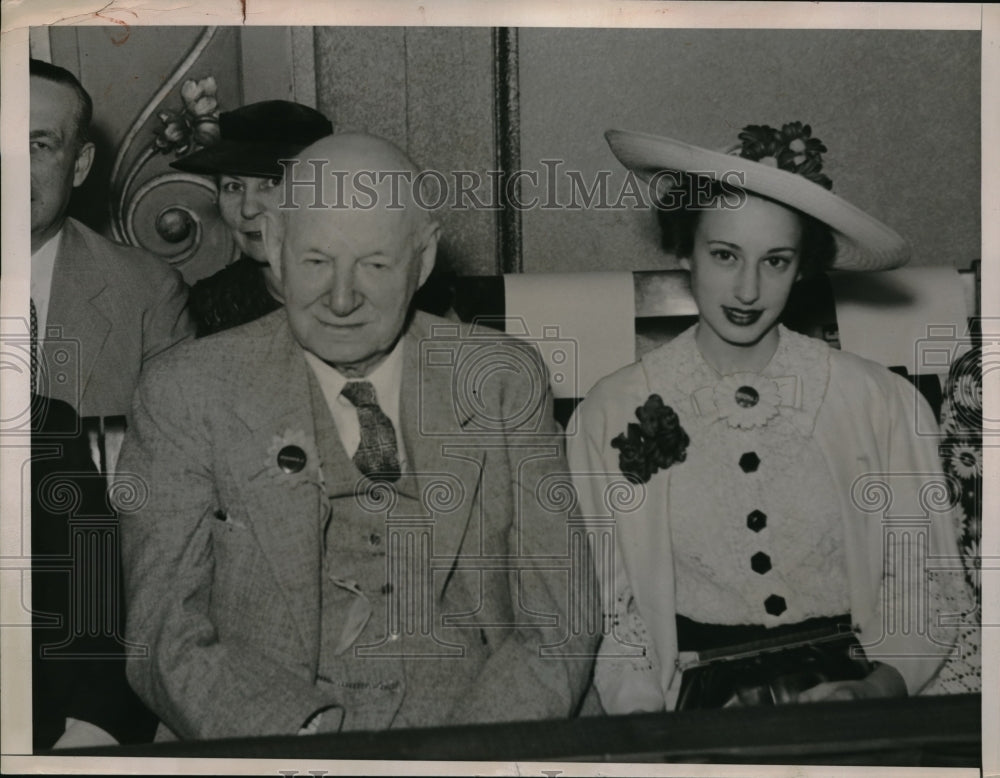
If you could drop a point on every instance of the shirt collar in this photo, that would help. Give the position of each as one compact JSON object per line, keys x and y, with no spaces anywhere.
{"x":387,"y":379}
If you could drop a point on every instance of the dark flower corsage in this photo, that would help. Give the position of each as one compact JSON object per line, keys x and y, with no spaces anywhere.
{"x":654,"y":444}
{"x":792,"y":148}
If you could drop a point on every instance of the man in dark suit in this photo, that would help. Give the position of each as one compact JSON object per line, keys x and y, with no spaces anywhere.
{"x":353,"y":520}
{"x":114,"y":306}
{"x":99,"y":312}
{"x":80,"y":696}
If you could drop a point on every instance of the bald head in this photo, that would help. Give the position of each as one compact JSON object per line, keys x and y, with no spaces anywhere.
{"x":354,"y":151}
{"x":363,"y":172}
{"x":352,"y":258}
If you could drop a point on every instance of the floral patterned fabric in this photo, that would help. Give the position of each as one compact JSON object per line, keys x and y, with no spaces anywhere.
{"x":962,"y":453}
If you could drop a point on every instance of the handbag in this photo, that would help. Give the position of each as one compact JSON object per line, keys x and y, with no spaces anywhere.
{"x":772,"y":671}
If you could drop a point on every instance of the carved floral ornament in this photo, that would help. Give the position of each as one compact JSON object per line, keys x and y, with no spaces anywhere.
{"x":196,"y":125}
{"x":172,"y":214}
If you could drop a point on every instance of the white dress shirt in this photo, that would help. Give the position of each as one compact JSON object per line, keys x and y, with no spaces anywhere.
{"x":387,"y":379}
{"x":43,"y":264}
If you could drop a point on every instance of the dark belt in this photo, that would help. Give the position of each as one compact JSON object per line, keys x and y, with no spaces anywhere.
{"x":749,"y":664}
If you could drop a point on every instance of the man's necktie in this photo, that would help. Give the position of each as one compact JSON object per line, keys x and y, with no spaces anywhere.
{"x":377,"y":455}
{"x":34,"y":348}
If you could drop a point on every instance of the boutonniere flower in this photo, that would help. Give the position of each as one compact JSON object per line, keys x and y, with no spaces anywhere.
{"x":654,"y":444}
{"x":293,"y":458}
{"x":747,"y":400}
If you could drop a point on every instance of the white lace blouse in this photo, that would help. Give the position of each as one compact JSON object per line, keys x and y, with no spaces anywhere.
{"x":754,"y":516}
{"x":762,"y":523}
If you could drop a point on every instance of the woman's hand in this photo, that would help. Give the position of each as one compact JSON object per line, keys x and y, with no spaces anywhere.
{"x":883,"y":681}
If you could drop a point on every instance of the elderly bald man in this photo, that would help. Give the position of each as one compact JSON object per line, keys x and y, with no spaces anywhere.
{"x":350,"y":521}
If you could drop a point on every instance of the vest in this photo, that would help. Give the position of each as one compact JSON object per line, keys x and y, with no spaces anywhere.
{"x":382,"y":652}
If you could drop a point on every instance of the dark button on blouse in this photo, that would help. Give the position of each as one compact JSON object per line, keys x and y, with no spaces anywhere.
{"x":760,"y":562}
{"x":775,"y":605}
{"x":749,"y":462}
{"x":756,"y":520}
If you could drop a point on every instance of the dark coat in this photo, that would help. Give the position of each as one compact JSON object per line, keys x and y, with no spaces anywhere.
{"x":78,"y":659}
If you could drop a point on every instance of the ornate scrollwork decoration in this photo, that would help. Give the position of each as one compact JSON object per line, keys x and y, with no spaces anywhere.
{"x":173,"y":224}
{"x":167,"y":213}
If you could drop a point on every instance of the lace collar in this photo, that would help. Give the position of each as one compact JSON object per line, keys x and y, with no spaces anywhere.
{"x":792,"y":384}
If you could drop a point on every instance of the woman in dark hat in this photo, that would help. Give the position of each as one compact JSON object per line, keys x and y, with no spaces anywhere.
{"x":248,"y":176}
{"x":748,"y":465}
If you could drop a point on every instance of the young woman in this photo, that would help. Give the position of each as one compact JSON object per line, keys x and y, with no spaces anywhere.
{"x":736,"y":477}
{"x":248,"y":175}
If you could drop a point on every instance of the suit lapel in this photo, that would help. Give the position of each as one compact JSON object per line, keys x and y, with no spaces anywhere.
{"x":446,"y":460}
{"x":77,"y":304}
{"x":285,"y":510}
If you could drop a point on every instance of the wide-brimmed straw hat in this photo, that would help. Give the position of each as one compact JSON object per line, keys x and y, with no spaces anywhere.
{"x":784,"y":165}
{"x":253,"y":138}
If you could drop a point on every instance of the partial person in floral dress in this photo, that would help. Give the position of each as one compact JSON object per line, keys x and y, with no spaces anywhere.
{"x":744,"y":483}
{"x":962,"y":450}
{"x":245,"y":165}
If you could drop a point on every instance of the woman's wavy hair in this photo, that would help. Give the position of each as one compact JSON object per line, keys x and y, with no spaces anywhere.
{"x":679,"y":208}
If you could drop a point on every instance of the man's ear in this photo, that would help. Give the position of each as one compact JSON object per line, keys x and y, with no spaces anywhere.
{"x":428,"y":254}
{"x":272,"y":231}
{"x":81,"y":167}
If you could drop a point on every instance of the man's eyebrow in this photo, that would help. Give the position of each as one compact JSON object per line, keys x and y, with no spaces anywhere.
{"x":45,"y":134}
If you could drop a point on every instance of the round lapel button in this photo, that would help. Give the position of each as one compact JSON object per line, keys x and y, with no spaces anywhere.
{"x":291,"y":459}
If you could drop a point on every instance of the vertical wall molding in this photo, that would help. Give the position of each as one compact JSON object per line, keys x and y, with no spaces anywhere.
{"x":304,"y":65}
{"x":507,"y":136}
{"x":39,"y":44}
{"x":268,"y":60}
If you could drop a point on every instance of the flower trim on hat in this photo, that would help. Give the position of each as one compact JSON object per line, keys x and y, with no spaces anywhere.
{"x":792,"y":149}
{"x":654,"y":444}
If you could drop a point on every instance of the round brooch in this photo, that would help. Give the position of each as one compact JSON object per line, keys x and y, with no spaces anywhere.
{"x":747,"y":400}
{"x":747,"y":396}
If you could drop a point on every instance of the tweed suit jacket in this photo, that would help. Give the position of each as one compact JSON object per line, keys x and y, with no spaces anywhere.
{"x":115,"y":307}
{"x":223,"y":550}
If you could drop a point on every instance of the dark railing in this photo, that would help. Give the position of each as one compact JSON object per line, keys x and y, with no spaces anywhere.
{"x":922,"y":731}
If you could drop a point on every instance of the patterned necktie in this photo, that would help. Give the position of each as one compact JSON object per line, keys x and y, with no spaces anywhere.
{"x":34,"y":348}
{"x":377,"y":455}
